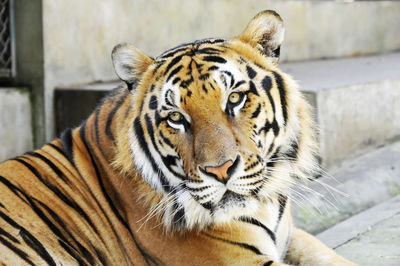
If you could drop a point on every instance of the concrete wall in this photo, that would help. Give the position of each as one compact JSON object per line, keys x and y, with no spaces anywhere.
{"x":29,"y":59}
{"x":15,"y":122}
{"x":78,"y":36}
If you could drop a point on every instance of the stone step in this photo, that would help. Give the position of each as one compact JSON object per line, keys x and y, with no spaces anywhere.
{"x":363,"y":183}
{"x":369,"y":238}
{"x":356,"y":102}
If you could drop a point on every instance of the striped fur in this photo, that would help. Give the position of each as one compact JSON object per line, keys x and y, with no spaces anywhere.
{"x":132,"y":185}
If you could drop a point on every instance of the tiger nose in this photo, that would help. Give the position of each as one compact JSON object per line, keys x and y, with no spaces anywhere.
{"x":221,"y":172}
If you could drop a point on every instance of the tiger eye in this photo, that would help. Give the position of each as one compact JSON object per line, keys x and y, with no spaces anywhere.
{"x":175,"y":116}
{"x":234,"y":97}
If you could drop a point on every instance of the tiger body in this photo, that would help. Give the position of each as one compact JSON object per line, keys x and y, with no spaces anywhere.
{"x":190,"y":163}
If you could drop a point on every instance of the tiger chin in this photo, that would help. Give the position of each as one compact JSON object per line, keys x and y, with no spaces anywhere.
{"x":190,"y":162}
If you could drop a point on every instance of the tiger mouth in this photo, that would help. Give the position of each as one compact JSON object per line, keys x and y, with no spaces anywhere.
{"x":230,"y":198}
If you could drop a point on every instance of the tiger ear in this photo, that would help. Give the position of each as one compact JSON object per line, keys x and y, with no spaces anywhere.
{"x":265,"y":32}
{"x":129,"y":62}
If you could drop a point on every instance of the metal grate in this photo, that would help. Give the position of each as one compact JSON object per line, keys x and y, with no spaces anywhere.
{"x":6,"y":41}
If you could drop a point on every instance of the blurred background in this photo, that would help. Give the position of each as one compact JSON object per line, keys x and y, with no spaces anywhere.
{"x":55,"y":64}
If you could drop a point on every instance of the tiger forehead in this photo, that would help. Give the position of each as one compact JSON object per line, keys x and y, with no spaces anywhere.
{"x":194,"y":57}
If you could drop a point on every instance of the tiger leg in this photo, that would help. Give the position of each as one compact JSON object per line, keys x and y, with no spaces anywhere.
{"x":305,"y":249}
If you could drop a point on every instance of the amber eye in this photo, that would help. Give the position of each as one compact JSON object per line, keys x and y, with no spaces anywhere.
{"x":175,"y":117}
{"x":235,"y":97}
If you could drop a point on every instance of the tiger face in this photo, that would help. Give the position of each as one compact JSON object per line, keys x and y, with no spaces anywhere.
{"x":215,"y":127}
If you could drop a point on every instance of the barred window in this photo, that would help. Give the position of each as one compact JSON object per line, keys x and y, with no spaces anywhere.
{"x":6,"y":41}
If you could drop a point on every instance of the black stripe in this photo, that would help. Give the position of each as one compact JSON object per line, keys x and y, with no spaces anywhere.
{"x":200,"y":189}
{"x":167,"y":98}
{"x":292,"y":153}
{"x":101,"y":256}
{"x":47,"y":221}
{"x":272,"y":160}
{"x":143,"y":145}
{"x":97,"y":171}
{"x":18,"y":192}
{"x":158,"y":119}
{"x":66,"y":140}
{"x":251,"y":175}
{"x":211,"y":68}
{"x":57,"y":149}
{"x":209,"y":40}
{"x":35,"y":244}
{"x":253,"y":88}
{"x":243,"y":245}
{"x":258,"y":223}
{"x":266,"y":83}
{"x":267,"y":126}
{"x":186,"y":83}
{"x":282,"y":199}
{"x":55,"y":169}
{"x":175,"y":51}
{"x":211,"y":85}
{"x":256,"y":112}
{"x":271,"y":147}
{"x":268,"y":263}
{"x":83,"y":252}
{"x":232,"y":79}
{"x":166,"y":140}
{"x":252,"y":165}
{"x":179,"y":220}
{"x":207,"y":205}
{"x":215,"y":59}
{"x":204,"y":88}
{"x":282,"y":94}
{"x":176,"y":80}
{"x":153,"y":102}
{"x":72,"y":252}
{"x":128,"y":110}
{"x":172,"y":63}
{"x":9,"y":236}
{"x":16,"y":250}
{"x":110,"y":117}
{"x":59,"y":194}
{"x":238,"y":84}
{"x":174,"y":72}
{"x":166,"y":159}
{"x":39,"y":249}
{"x":275,"y":127}
{"x":28,"y":200}
{"x":208,"y":50}
{"x":250,"y":72}
{"x":96,"y":127}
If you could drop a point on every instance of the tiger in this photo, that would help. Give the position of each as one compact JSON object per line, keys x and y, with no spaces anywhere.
{"x":190,"y":161}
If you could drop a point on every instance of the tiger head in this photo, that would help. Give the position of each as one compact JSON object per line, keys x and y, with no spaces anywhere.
{"x":217,"y":129}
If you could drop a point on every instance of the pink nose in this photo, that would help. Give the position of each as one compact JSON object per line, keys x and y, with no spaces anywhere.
{"x":221,"y":171}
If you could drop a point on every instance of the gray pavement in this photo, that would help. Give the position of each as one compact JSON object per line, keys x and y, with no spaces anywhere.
{"x":362,"y":183}
{"x":369,"y":238}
